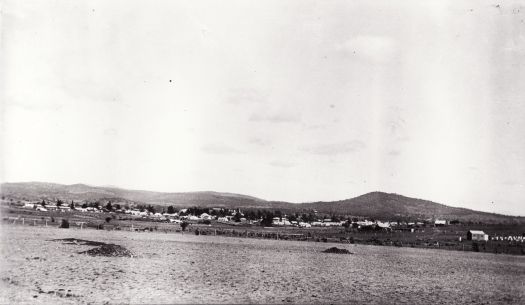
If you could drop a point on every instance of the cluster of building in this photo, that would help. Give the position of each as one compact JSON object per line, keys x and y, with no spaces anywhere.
{"x":232,"y":216}
{"x":49,"y":207}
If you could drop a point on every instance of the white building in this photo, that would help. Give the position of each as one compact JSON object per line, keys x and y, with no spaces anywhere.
{"x":29,"y":206}
{"x":205,"y":216}
{"x":477,"y":235}
{"x":438,"y":222}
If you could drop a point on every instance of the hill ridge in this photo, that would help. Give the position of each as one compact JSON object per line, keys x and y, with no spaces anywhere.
{"x":376,"y":204}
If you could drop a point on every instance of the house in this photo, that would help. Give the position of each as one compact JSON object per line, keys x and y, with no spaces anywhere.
{"x":365,"y":223}
{"x":331,"y":224}
{"x":383,"y":225}
{"x":477,"y":235}
{"x":205,"y":216}
{"x":440,"y":223}
{"x":276,"y":221}
{"x":223,"y":219}
{"x":29,"y":205}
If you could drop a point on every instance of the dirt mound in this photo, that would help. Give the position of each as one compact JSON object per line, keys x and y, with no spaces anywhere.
{"x":109,"y":250}
{"x":337,"y":251}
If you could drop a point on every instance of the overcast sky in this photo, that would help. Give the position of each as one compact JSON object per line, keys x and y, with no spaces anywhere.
{"x":283,"y":100}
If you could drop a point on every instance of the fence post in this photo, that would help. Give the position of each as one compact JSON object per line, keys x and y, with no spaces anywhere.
{"x":23,"y":221}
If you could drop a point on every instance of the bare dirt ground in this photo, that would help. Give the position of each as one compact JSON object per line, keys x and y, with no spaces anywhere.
{"x":165,"y":268}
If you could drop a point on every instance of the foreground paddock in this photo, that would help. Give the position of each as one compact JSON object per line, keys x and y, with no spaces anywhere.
{"x":176,"y":268}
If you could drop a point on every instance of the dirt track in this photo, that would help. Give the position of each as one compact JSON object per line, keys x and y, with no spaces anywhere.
{"x":175,"y":268}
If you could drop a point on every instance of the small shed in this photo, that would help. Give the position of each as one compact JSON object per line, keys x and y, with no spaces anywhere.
{"x":477,"y":235}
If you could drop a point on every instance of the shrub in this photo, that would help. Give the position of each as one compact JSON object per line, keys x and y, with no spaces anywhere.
{"x":64,"y":224}
{"x":337,"y":251}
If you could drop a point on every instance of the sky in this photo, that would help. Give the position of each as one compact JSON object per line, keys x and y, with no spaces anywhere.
{"x":283,"y":100}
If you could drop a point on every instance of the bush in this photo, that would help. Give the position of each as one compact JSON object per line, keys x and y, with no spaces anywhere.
{"x":64,"y":224}
{"x":337,"y":251}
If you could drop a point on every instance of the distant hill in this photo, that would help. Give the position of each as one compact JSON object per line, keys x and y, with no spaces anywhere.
{"x":393,"y":206}
{"x":377,"y":205}
{"x":81,"y":192}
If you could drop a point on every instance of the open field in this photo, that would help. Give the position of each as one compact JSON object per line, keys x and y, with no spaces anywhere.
{"x":176,"y":268}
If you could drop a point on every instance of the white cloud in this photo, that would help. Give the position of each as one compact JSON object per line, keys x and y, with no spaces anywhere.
{"x":220,"y":148}
{"x":284,"y":164}
{"x":374,"y":48}
{"x":246,"y":96}
{"x":335,"y":148}
{"x":275,"y":117}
